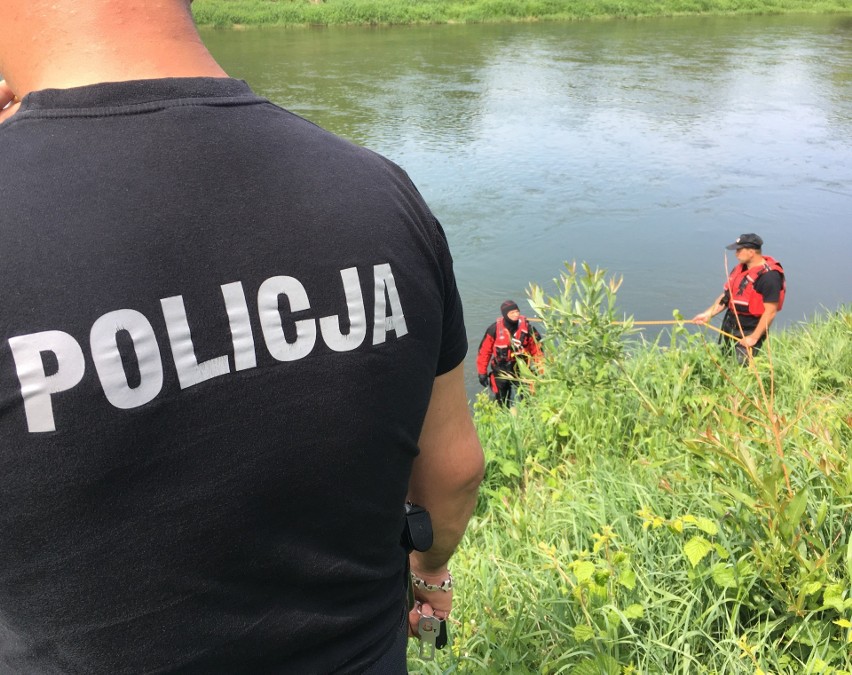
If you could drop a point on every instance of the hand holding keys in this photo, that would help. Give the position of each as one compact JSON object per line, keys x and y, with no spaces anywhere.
{"x":433,"y":635}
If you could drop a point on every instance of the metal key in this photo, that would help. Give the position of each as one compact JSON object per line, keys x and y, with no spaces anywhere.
{"x":428,"y":627}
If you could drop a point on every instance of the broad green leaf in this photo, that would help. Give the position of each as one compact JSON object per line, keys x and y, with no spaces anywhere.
{"x":832,"y":596}
{"x":627,"y":578}
{"x":583,"y":570}
{"x":602,"y":664}
{"x":723,"y":575}
{"x":819,"y":666}
{"x":721,"y":551}
{"x":634,"y":611}
{"x":510,"y":468}
{"x":833,"y":603}
{"x":708,"y":526}
{"x":806,"y":638}
{"x":601,"y":577}
{"x":811,"y":588}
{"x":696,"y":549}
{"x":583,"y":633}
{"x":744,"y":569}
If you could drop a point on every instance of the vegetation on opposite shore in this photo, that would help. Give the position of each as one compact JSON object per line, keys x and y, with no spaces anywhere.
{"x":391,"y":12}
{"x":654,"y":509}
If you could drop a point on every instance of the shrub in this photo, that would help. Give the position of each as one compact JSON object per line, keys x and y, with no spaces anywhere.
{"x":656,"y":508}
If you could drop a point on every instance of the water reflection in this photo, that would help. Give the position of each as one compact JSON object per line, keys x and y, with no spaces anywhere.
{"x":640,"y":146}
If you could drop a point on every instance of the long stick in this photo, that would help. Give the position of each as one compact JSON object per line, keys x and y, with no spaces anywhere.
{"x":672,"y":322}
{"x":667,"y":322}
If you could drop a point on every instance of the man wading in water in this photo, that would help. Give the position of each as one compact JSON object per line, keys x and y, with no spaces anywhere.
{"x":221,"y":375}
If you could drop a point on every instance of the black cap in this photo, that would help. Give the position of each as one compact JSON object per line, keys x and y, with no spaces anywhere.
{"x":746,"y":241}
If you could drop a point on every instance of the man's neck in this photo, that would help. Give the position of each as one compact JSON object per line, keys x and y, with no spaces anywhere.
{"x":131,"y":40}
{"x":757,"y":261}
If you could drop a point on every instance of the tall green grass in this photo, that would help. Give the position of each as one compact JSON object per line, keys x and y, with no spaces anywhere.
{"x":657,"y":508}
{"x":373,"y":12}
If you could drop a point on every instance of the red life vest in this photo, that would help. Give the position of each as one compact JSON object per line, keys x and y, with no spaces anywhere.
{"x":506,"y":346}
{"x":743,"y":299}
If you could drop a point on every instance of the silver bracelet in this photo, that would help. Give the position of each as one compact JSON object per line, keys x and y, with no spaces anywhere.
{"x":446,"y":585}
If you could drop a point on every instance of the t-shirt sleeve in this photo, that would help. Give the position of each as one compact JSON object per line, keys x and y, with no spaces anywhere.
{"x":453,"y":334}
{"x":769,"y":286}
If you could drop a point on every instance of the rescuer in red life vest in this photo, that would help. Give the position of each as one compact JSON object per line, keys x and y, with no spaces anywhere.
{"x":753,"y":295}
{"x":508,"y":339}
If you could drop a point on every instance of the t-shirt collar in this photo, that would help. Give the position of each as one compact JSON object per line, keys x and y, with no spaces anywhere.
{"x":138,"y":92}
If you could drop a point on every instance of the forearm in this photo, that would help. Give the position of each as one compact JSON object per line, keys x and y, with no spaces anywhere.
{"x":711,"y":311}
{"x":446,"y":475}
{"x":716,"y":307}
{"x":766,"y":319}
{"x":449,"y":493}
{"x":450,"y":514}
{"x":483,"y":356}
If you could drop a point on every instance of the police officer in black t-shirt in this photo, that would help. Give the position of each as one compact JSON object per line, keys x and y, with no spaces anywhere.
{"x":221,"y":372}
{"x":752,"y":296}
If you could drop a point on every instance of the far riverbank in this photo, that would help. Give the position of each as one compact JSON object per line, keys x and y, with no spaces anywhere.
{"x":243,"y":13}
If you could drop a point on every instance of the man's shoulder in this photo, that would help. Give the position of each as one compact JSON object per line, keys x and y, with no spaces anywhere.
{"x":769,"y":277}
{"x":769,"y":284}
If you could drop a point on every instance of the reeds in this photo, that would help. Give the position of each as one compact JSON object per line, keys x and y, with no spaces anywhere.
{"x":225,"y":13}
{"x":656,"y":508}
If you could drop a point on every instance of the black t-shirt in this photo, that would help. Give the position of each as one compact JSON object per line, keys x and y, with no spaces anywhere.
{"x":769,"y":286}
{"x":220,"y":329}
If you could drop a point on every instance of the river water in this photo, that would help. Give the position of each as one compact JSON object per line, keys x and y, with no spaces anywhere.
{"x":642,"y":147}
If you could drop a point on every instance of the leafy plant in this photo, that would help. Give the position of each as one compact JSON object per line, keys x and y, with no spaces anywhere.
{"x":656,"y":508}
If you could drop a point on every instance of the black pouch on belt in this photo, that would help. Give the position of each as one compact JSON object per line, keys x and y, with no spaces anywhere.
{"x":417,"y":531}
{"x":416,"y":536}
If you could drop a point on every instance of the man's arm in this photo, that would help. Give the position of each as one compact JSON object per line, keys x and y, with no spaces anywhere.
{"x":445,"y":480}
{"x":483,"y":357}
{"x":770,"y":309}
{"x":717,"y":306}
{"x":769,"y":286}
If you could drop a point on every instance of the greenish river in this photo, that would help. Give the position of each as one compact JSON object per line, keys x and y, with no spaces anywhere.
{"x":639,"y":146}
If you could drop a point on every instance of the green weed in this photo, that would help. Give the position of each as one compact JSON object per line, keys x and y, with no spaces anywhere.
{"x":225,"y":13}
{"x":656,"y":508}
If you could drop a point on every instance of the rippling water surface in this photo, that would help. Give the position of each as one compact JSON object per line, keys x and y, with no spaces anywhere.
{"x":639,"y":146}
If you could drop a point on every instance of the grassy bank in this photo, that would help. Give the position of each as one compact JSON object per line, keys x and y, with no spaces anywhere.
{"x":376,"y":12}
{"x":662,"y":510}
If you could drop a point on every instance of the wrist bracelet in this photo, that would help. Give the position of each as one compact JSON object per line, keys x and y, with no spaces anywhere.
{"x":423,"y":585}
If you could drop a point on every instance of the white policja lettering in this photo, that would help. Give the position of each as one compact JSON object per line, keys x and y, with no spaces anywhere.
{"x":38,"y":388}
{"x":104,"y":343}
{"x":36,"y":385}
